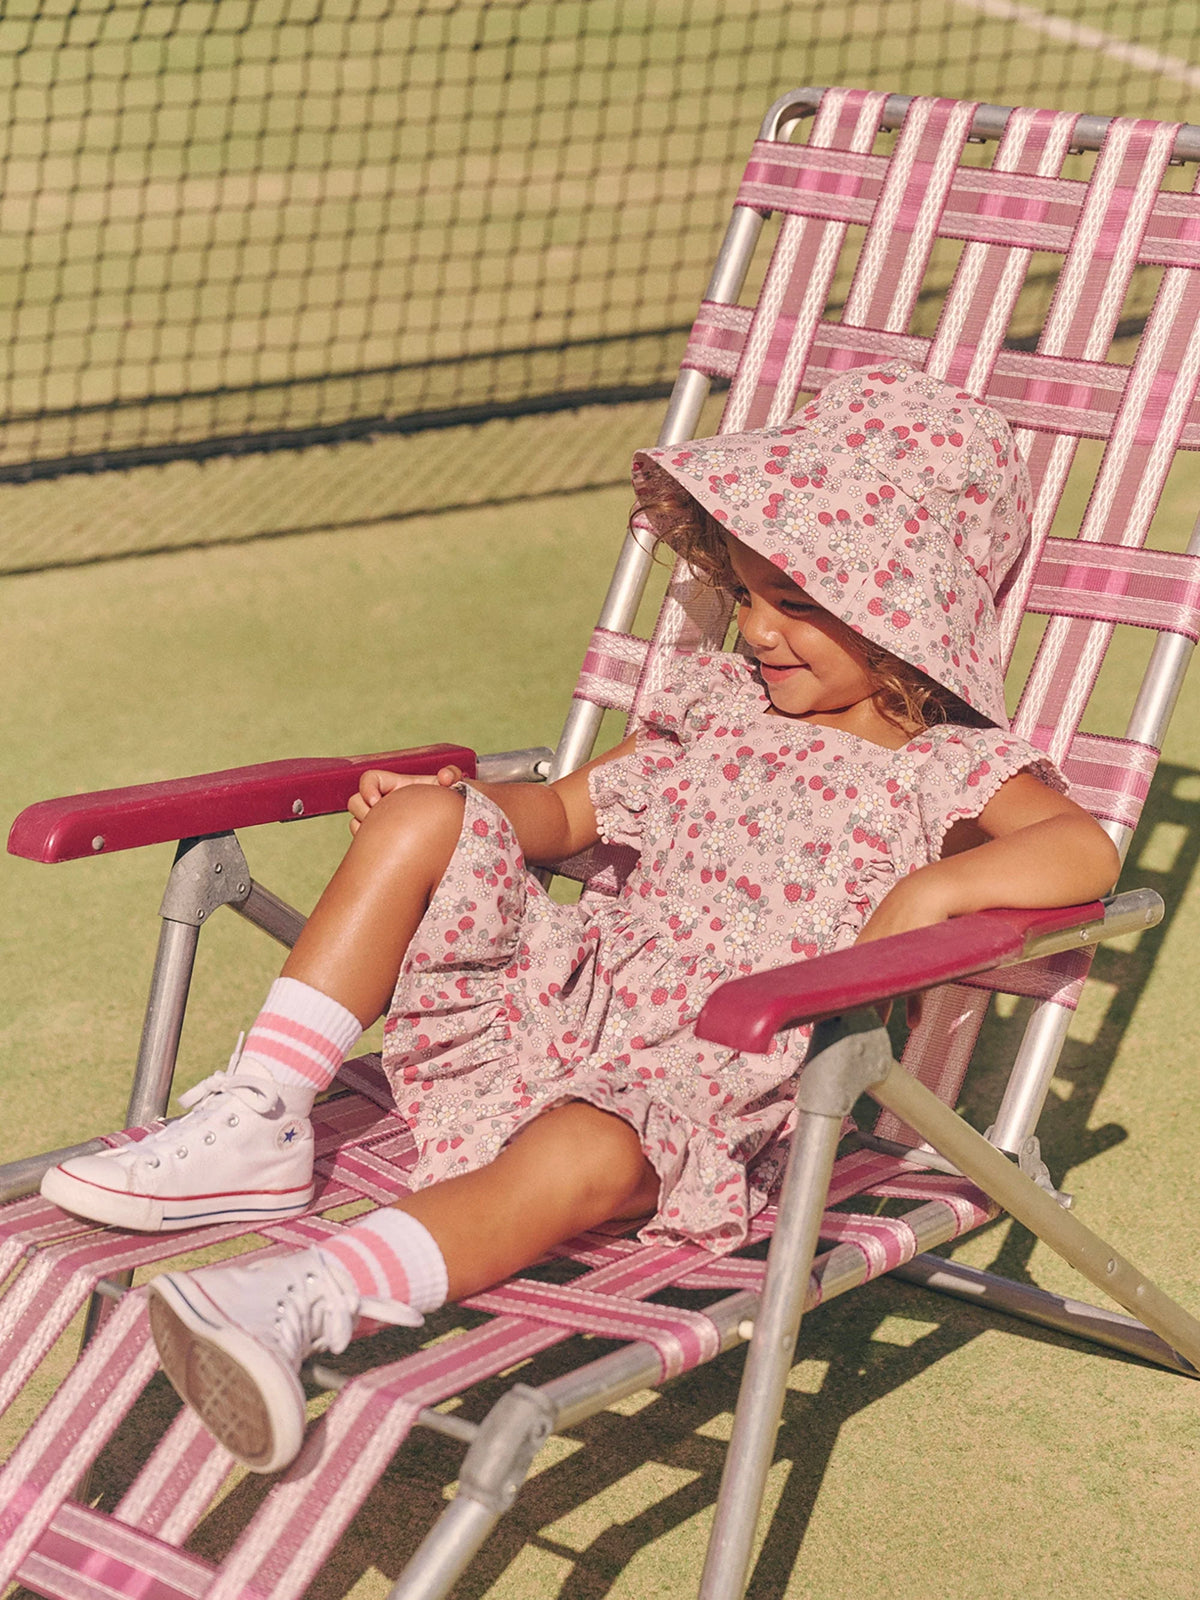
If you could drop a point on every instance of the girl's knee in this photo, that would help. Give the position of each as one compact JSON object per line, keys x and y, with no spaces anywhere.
{"x":595,"y":1154}
{"x":421,"y":820}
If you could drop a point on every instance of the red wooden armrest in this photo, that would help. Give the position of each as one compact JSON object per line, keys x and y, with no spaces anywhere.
{"x":212,"y":802}
{"x":747,"y":1013}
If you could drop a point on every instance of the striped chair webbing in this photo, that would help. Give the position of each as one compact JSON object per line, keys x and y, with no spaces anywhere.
{"x":1102,"y":583}
{"x":1158,"y":398}
{"x":1050,"y":395}
{"x":612,"y":669}
{"x":362,"y":1152}
{"x":293,"y":1531}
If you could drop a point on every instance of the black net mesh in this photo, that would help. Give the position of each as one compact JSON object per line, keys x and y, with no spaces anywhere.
{"x":249,"y":226}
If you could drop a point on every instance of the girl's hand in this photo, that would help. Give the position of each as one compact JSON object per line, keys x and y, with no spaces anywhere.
{"x":373,"y":785}
{"x":912,"y":903}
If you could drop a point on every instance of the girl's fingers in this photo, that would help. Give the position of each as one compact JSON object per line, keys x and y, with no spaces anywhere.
{"x":374,"y":784}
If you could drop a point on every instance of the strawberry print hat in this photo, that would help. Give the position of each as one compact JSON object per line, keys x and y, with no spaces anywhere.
{"x":897,"y":501}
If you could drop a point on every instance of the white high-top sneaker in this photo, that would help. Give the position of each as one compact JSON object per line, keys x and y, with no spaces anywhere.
{"x":243,"y":1153}
{"x":232,"y":1339}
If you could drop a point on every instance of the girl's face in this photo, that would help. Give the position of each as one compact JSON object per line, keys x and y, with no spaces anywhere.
{"x":811,"y":664}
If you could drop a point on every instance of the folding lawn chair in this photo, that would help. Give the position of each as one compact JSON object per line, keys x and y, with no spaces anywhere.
{"x":936,"y":186}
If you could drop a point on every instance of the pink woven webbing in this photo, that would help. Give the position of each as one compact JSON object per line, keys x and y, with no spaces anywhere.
{"x":612,"y":668}
{"x":888,"y":1242}
{"x":1158,"y":397}
{"x":84,"y":1555}
{"x":683,"y":1339}
{"x":904,"y":225}
{"x":796,"y":287}
{"x":310,"y":1506}
{"x":992,"y":268}
{"x":362,"y":1151}
{"x":938,"y":1051}
{"x":1110,"y":777}
{"x":1146,"y":588}
{"x":79,"y":1420}
{"x":175,"y":1488}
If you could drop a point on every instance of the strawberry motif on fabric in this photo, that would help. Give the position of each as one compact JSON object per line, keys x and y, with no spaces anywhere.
{"x":896,"y":500}
{"x":763,"y":840}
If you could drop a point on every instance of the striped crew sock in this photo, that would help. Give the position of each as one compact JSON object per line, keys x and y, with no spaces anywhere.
{"x":301,"y":1036}
{"x":391,"y":1256}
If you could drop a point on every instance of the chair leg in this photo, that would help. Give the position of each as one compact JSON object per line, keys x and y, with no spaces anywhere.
{"x":207,"y":873}
{"x":1039,"y":1211}
{"x":847,"y":1054}
{"x":493,"y":1471}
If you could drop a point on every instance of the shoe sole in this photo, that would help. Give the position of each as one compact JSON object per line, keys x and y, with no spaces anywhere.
{"x":142,"y":1213}
{"x":246,"y":1397}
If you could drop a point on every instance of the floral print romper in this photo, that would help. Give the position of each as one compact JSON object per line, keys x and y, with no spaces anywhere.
{"x":762,"y":840}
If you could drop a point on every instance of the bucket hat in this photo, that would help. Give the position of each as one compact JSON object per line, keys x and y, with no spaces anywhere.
{"x":896,"y":500}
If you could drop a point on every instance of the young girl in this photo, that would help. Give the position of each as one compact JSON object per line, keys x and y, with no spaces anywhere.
{"x":848,"y":777}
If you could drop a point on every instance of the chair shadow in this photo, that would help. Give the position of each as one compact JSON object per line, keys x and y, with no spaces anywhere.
{"x":683,"y":1430}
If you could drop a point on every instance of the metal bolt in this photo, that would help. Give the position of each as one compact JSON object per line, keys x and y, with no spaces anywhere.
{"x":1110,"y":1266}
{"x":218,"y":867}
{"x":98,"y":842}
{"x":200,"y":916}
{"x":297,"y":808}
{"x":243,"y":888}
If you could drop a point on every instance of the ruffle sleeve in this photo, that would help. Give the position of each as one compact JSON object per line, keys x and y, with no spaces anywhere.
{"x":699,"y":692}
{"x":965,"y":768}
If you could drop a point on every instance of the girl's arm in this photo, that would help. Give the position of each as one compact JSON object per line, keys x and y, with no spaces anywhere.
{"x":551,"y":820}
{"x":1029,"y":847}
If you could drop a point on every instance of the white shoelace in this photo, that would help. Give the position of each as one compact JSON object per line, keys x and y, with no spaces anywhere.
{"x":208,"y":1103}
{"x":313,"y":1311}
{"x":316,"y":1310}
{"x":252,"y":1092}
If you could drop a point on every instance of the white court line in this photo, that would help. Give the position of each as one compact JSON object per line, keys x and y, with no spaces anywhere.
{"x":1091,"y":39}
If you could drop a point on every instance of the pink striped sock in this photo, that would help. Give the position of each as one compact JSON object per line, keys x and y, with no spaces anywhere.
{"x":392,"y":1256}
{"x":301,"y":1036}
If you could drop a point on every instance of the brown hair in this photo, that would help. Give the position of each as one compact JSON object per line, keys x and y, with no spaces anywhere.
{"x":904,"y":695}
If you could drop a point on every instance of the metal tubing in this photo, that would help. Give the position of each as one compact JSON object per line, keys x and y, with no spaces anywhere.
{"x":273,"y":915}
{"x":1029,"y":1080}
{"x":628,"y":581}
{"x":1040,"y":1212}
{"x":1048,"y":1310}
{"x":1160,"y":689}
{"x":1041,"y":1045}
{"x":19,"y":1178}
{"x":515,"y":766}
{"x":163,"y":1025}
{"x":748,"y":1458}
{"x":580,"y":1394}
{"x":988,"y":122}
{"x":446,"y":1551}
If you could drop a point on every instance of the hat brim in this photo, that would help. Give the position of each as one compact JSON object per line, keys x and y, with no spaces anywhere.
{"x":871,"y":555}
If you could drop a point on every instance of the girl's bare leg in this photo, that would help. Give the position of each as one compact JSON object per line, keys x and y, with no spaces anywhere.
{"x":567,"y":1170}
{"x":570,"y":1168}
{"x":353,"y":944}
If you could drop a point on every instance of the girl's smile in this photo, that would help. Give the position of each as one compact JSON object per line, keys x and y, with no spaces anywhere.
{"x":811,"y":664}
